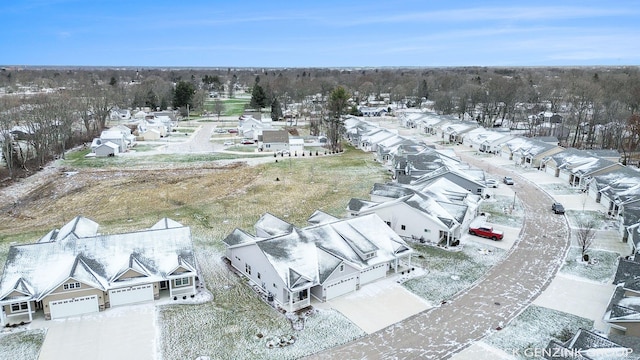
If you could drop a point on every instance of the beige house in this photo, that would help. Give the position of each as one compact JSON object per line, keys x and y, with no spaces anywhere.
{"x":75,"y":270}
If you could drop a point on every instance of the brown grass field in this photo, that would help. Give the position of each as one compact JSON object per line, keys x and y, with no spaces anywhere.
{"x":211,"y":198}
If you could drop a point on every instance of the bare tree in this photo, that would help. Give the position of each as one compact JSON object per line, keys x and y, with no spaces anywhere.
{"x":585,"y":235}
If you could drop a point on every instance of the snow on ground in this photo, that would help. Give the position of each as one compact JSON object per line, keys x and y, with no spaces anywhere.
{"x":21,"y":345}
{"x":533,"y":329}
{"x":450,"y":272}
{"x":601,"y":267}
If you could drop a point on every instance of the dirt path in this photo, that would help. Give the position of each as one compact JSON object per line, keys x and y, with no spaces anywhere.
{"x":505,"y":291}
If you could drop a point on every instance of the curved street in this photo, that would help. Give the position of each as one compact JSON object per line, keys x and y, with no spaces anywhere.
{"x":505,"y":290}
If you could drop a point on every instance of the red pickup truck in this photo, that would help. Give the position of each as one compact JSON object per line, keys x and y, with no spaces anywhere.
{"x":487,"y":232}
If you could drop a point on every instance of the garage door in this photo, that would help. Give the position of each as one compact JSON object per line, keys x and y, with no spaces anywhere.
{"x":131,"y":295}
{"x":374,"y":273}
{"x":75,"y":306}
{"x":341,"y":287}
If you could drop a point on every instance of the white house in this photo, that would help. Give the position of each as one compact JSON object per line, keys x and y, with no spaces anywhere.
{"x":76,"y":270}
{"x":106,"y":149}
{"x":324,"y":260}
{"x":296,"y":145}
{"x":418,"y":216}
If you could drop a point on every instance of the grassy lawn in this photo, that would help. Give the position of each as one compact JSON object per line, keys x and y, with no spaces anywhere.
{"x":533,"y":329}
{"x":21,"y":345}
{"x":601,"y":268}
{"x":232,"y":107}
{"x":501,"y":210}
{"x":450,"y":271}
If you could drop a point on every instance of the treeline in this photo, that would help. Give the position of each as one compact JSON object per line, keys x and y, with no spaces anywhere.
{"x":599,"y":105}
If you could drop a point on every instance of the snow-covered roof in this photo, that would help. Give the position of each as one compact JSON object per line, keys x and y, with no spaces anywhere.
{"x":270,"y":225}
{"x":528,"y":147}
{"x":320,"y":217}
{"x":306,"y":256}
{"x":622,"y":307}
{"x":77,"y":251}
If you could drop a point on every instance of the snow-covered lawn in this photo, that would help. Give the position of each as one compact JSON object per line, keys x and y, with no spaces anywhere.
{"x":601,"y":267}
{"x":237,"y":324}
{"x":500,"y":210}
{"x":559,"y":189}
{"x":584,"y":216}
{"x":449,"y":272}
{"x":533,"y":329}
{"x":21,"y":345}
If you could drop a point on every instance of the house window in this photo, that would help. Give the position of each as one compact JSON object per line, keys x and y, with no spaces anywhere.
{"x":274,"y":286}
{"x":402,"y":227}
{"x":341,"y":267}
{"x":75,"y":285}
{"x":388,"y":223}
{"x":19,"y":307}
{"x":479,"y":191}
{"x":182,"y":281}
{"x":427,"y":230}
{"x":259,"y":277}
{"x":247,"y":268}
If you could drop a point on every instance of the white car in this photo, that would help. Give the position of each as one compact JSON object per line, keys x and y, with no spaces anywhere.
{"x":492,"y":183}
{"x":228,"y":143}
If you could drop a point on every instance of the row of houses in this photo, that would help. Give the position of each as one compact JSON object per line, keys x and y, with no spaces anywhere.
{"x":328,"y":258}
{"x":598,"y":173}
{"x":434,"y":199}
{"x":76,"y":270}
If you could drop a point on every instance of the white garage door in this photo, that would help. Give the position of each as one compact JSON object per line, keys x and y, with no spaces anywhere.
{"x":75,"y":306}
{"x":374,"y":273}
{"x":131,"y":295}
{"x":341,"y":287}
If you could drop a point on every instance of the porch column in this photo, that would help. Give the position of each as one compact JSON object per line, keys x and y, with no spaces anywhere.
{"x":3,"y":316}
{"x":170,"y":287}
{"x":290,"y":301}
{"x":29,"y":310}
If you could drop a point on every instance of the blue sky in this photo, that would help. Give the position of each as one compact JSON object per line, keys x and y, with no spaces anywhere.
{"x":325,"y":33}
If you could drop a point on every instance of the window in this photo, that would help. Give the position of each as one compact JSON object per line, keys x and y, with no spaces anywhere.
{"x":427,"y":230}
{"x":341,"y":267}
{"x":19,"y":307}
{"x":274,"y":286}
{"x":259,"y":277}
{"x":182,"y":281}
{"x":402,"y":227}
{"x":247,"y":268}
{"x":388,"y":223}
{"x":75,"y":285}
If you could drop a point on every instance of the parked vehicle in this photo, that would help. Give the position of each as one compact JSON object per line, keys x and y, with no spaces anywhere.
{"x":507,"y":180}
{"x":233,"y":131}
{"x":557,"y":208}
{"x":487,"y":232}
{"x":492,"y":183}
{"x":247,"y":141}
{"x":228,"y":143}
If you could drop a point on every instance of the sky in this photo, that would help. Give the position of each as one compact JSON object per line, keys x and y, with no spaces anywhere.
{"x":327,"y":33}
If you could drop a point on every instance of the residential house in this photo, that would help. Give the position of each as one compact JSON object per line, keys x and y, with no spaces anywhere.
{"x":623,"y":311}
{"x":274,"y":140}
{"x":585,"y":344}
{"x":296,"y":145}
{"x":106,"y":149}
{"x":76,"y":270}
{"x":325,"y":260}
{"x":251,"y":128}
{"x":528,"y":152}
{"x":454,"y":132}
{"x":484,"y":140}
{"x":472,"y":180}
{"x":577,"y":167}
{"x":417,"y":216}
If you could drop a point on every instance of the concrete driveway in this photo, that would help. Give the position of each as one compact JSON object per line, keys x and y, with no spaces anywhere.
{"x":117,"y":333}
{"x":380,"y":304}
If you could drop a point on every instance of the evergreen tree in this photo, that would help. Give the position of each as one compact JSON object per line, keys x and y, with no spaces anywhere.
{"x":276,"y":110}
{"x":183,"y":94}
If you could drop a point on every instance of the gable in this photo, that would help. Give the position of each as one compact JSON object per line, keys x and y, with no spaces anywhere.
{"x":130,"y":274}
{"x":15,"y":295}
{"x":180,"y":270}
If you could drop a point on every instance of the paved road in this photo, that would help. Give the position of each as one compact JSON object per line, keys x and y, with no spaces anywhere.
{"x":505,"y":291}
